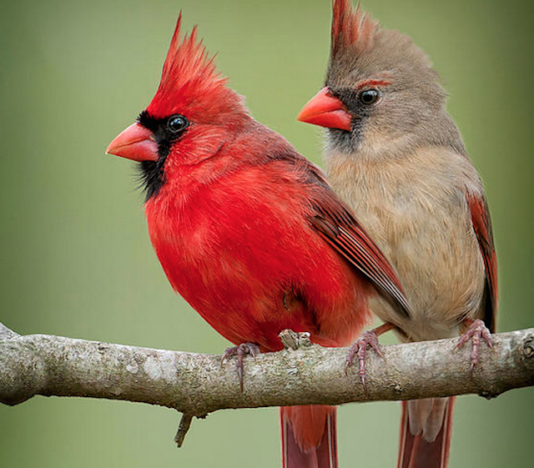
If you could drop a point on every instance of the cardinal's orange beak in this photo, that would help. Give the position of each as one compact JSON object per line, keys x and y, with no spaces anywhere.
{"x":136,"y":143}
{"x":327,"y":111}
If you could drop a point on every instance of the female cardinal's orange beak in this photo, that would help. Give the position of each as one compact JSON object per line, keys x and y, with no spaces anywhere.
{"x":136,"y":143}
{"x":327,"y":111}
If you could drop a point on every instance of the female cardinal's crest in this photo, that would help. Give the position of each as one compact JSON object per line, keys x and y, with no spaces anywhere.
{"x":351,"y":27}
{"x":360,"y":49}
{"x":190,"y":81}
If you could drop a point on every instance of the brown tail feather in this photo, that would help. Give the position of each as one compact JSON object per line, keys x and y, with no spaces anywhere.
{"x":309,"y":437}
{"x":416,"y":452}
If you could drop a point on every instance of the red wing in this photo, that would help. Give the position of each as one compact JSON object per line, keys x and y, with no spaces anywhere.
{"x":480,"y":218}
{"x":335,"y":222}
{"x":343,"y":232}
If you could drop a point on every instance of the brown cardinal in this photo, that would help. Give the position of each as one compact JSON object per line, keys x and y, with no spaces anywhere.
{"x":394,"y":154}
{"x":250,"y":233}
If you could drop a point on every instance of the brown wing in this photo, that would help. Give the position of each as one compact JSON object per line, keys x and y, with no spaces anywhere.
{"x":480,"y":218}
{"x":339,"y":227}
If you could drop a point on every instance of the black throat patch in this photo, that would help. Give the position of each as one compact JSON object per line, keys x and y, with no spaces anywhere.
{"x":152,"y":173}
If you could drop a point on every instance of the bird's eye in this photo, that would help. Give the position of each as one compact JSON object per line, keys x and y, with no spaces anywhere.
{"x":369,"y":96}
{"x":177,"y":123}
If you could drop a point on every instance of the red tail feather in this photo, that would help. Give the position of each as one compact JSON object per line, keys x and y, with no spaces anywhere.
{"x":309,"y":437}
{"x":416,"y":452}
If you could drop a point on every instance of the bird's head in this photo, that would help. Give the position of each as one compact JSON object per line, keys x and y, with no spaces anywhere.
{"x":189,"y":118}
{"x":380,"y":88}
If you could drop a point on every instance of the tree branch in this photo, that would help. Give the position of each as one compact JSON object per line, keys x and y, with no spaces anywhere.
{"x":197,"y":384}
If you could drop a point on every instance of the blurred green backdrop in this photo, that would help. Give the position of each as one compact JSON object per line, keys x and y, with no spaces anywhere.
{"x":76,"y":259}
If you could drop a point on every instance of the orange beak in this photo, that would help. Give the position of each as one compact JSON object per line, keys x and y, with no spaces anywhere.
{"x":136,"y":143}
{"x":327,"y":111}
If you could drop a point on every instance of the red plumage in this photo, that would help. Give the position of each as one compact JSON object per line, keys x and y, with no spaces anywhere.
{"x":249,"y":232}
{"x":190,"y":80}
{"x":415,"y":451}
{"x":482,"y":226}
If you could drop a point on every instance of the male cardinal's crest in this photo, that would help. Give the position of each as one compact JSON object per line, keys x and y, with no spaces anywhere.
{"x":191,"y":81}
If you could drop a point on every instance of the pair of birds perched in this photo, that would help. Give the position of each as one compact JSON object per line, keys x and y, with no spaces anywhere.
{"x":252,"y":235}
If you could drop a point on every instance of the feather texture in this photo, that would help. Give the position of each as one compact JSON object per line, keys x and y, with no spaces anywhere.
{"x":250,"y":233}
{"x":396,"y":157}
{"x":482,"y":226}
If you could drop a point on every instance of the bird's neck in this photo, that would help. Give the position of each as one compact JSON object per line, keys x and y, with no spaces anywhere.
{"x":376,"y":146}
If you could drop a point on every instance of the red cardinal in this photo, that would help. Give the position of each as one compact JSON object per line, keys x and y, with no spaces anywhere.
{"x":250,"y":233}
{"x":394,"y":154}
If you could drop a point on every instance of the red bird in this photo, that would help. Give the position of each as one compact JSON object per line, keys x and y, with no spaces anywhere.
{"x":395,"y":155}
{"x":249,"y":232}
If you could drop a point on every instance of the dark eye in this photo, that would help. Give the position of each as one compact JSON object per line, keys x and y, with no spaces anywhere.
{"x":177,"y":123}
{"x":369,"y":96}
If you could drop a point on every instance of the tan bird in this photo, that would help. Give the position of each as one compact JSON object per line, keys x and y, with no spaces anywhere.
{"x":395,"y":155}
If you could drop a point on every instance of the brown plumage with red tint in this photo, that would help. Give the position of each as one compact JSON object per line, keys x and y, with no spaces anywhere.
{"x":395,"y":155}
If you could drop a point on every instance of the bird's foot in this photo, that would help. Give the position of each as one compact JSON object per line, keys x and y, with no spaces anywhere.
{"x":369,"y":338}
{"x":477,"y":329}
{"x":241,"y":351}
{"x":359,"y":348}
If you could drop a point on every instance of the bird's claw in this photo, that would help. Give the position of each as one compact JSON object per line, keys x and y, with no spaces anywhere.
{"x":475,"y":331}
{"x":369,"y":338}
{"x":241,"y":351}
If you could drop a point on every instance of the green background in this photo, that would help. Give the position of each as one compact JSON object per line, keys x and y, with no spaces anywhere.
{"x":75,"y":255}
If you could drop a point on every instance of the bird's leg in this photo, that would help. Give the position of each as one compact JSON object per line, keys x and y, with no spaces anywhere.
{"x":369,"y":338}
{"x":477,"y":329}
{"x":241,"y":351}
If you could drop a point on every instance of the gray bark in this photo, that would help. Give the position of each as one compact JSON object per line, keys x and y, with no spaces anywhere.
{"x":197,"y":384}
